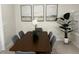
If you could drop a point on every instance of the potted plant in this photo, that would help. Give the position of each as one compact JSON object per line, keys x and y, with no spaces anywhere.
{"x":65,"y":26}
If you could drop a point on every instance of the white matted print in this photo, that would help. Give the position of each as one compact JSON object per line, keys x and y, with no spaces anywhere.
{"x":39,"y":12}
{"x":26,"y":13}
{"x":51,"y":12}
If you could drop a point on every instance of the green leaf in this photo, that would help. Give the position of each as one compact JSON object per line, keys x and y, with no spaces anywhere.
{"x":69,"y":22}
{"x":62,"y":19}
{"x":62,"y":31}
{"x":70,"y":31}
{"x":65,"y":25}
{"x":62,"y":27}
{"x":69,"y":28}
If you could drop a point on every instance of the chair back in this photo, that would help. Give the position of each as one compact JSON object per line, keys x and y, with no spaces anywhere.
{"x":52,"y":41}
{"x":50,"y":34}
{"x":15,"y":38}
{"x":21,"y":34}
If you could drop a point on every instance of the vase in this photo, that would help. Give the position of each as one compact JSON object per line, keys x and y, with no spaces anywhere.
{"x":66,"y":40}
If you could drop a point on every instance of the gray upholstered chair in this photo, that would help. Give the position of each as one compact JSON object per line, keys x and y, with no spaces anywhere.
{"x":21,"y":34}
{"x":15,"y":38}
{"x":52,"y":40}
{"x":50,"y":34}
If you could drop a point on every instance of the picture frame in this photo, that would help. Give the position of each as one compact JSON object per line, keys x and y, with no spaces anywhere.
{"x":51,"y":12}
{"x":26,"y":13}
{"x":38,"y":12}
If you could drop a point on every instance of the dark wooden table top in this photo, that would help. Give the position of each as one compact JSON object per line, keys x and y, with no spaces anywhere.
{"x":27,"y":43}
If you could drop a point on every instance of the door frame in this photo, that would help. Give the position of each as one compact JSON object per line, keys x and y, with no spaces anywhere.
{"x":2,"y":47}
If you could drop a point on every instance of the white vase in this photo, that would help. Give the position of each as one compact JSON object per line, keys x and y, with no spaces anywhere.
{"x":66,"y":40}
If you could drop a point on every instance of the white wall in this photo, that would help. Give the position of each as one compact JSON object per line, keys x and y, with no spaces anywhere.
{"x":63,"y":8}
{"x":9,"y":23}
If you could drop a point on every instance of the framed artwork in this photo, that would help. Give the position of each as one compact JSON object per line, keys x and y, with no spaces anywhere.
{"x":38,"y":12}
{"x":51,"y":12}
{"x":26,"y":13}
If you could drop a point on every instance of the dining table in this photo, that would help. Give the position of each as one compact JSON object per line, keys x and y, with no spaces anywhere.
{"x":28,"y":44}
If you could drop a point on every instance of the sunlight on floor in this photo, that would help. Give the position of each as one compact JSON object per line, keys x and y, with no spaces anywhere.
{"x":61,"y":48}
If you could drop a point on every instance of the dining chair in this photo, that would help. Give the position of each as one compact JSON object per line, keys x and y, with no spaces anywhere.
{"x":23,"y":52}
{"x":50,"y":34}
{"x":21,"y":34}
{"x":52,"y":40}
{"x":15,"y":38}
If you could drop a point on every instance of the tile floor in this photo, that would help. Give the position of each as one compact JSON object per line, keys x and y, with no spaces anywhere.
{"x":59,"y":48}
{"x":62,"y":48}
